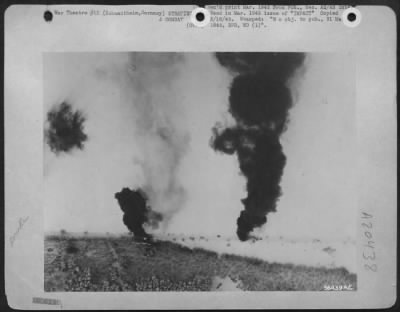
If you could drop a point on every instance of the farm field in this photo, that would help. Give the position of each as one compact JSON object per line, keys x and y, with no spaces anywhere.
{"x":118,"y":263}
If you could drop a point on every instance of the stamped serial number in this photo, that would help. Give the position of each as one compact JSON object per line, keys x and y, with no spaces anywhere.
{"x":46,"y":301}
{"x":338,"y":287}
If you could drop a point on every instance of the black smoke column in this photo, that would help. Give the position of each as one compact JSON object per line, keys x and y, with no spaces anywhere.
{"x":136,"y":211}
{"x":259,"y":101}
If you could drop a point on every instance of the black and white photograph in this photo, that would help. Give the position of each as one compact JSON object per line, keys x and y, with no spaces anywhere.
{"x":177,"y":157}
{"x":199,"y":171}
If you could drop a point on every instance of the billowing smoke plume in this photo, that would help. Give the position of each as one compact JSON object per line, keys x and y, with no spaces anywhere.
{"x":259,"y":101}
{"x":137,"y":128}
{"x":137,"y":212}
{"x":65,"y":129}
{"x":160,"y":136}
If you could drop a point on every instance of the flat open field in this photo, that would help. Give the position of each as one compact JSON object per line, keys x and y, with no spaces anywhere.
{"x":113,"y":263}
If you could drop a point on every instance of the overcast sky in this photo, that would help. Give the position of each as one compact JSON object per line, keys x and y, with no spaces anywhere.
{"x":125,"y":96}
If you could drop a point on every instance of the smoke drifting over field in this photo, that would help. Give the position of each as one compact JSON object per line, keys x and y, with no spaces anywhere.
{"x":259,"y":102}
{"x":141,"y":123}
{"x":136,"y":211}
{"x":126,"y":119}
{"x":149,"y":119}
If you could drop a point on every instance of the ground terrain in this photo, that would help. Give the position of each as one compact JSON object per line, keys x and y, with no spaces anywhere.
{"x":118,"y":263}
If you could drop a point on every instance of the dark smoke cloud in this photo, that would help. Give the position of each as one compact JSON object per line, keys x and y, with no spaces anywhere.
{"x":137,"y":213}
{"x":65,"y":129}
{"x":259,"y":101}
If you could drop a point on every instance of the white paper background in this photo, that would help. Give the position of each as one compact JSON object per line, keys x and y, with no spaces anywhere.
{"x":27,"y":36}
